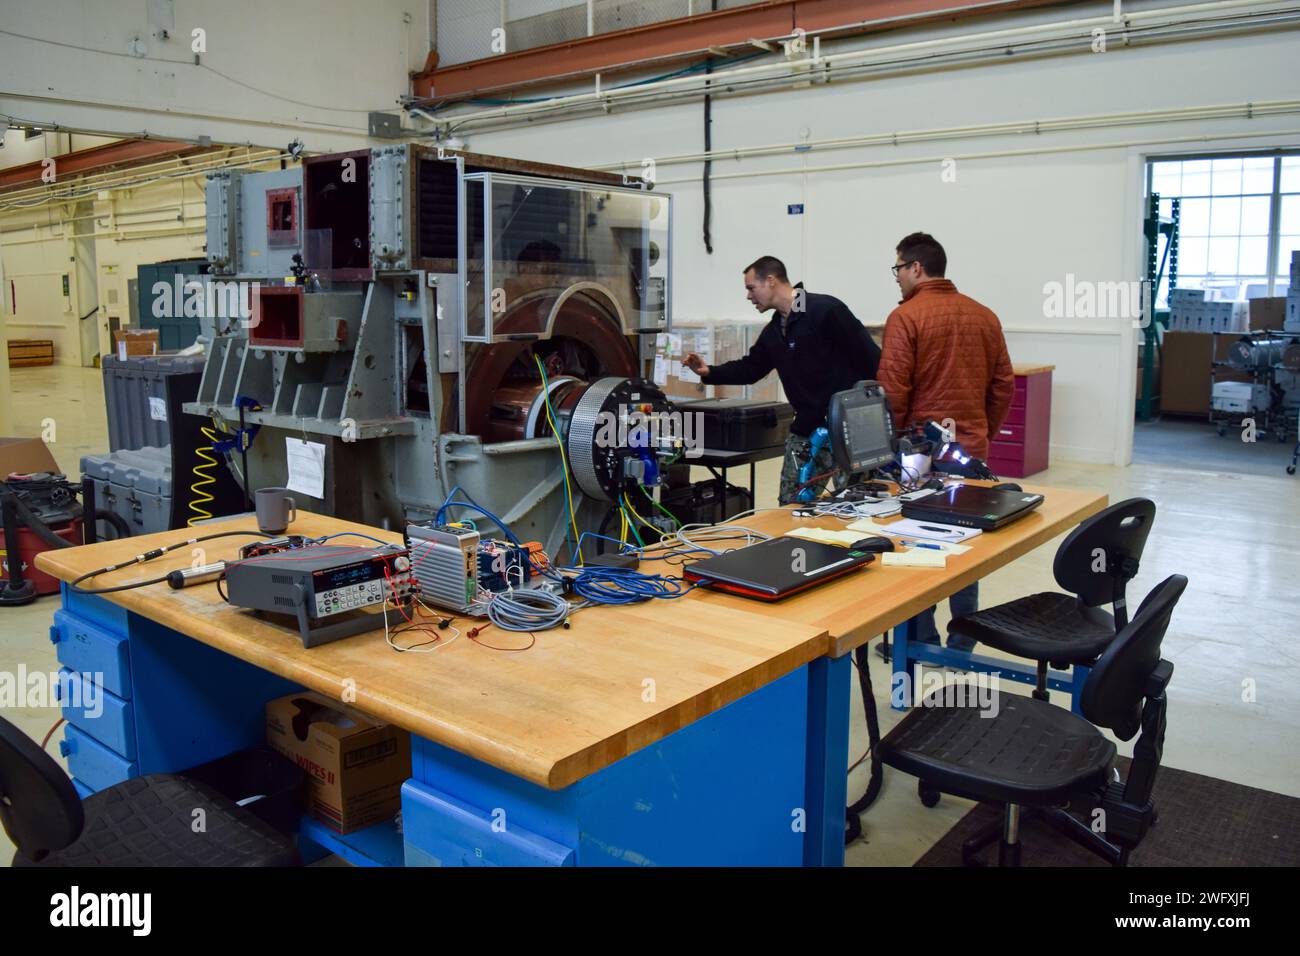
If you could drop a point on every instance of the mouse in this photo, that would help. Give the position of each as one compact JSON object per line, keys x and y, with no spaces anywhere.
{"x":873,"y":545}
{"x":1007,"y":486}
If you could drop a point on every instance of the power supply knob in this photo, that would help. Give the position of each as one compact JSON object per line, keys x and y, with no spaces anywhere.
{"x":402,"y":563}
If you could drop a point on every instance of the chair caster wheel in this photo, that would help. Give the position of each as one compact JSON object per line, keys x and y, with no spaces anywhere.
{"x":1222,"y":431}
{"x":1290,"y":469}
{"x":929,"y":796}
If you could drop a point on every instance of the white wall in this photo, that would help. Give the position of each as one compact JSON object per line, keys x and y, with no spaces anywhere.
{"x":1010,"y":224}
{"x":272,"y":71}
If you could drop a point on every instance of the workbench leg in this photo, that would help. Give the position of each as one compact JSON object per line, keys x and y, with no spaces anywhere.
{"x":900,"y":685}
{"x":826,"y":794}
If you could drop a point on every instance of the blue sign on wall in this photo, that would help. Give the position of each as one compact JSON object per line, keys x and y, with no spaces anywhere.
{"x":795,"y":209}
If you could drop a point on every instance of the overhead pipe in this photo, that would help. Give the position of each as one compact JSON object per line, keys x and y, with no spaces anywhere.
{"x":1182,"y":17}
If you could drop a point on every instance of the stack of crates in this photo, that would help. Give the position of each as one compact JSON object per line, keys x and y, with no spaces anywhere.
{"x":146,"y":430}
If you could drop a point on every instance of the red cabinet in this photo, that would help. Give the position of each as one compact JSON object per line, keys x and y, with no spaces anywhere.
{"x":1019,"y":447}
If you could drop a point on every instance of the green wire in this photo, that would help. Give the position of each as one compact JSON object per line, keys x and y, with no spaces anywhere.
{"x":632,"y":525}
{"x":671,"y":516}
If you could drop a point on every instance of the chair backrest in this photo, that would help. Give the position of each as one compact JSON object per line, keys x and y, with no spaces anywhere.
{"x":39,"y":807}
{"x":1117,"y":686}
{"x":1102,"y":554}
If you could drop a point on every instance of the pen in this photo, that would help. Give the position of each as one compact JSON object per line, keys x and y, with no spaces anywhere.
{"x":930,"y":527}
{"x":922,"y":544}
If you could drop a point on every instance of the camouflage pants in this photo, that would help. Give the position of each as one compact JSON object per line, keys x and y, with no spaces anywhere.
{"x":797,"y":450}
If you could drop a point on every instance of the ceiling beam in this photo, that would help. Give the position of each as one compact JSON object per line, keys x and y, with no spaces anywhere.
{"x":127,"y":152}
{"x":707,"y":34}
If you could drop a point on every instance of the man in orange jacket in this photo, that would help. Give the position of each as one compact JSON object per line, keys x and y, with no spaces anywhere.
{"x":944,"y":357}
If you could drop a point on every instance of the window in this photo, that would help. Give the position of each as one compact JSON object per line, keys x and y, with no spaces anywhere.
{"x":1239,"y":222}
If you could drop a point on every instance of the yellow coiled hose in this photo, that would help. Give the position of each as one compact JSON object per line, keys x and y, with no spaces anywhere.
{"x":205,"y":478}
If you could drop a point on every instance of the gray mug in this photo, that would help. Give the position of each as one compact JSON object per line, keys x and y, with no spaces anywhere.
{"x":275,"y":510}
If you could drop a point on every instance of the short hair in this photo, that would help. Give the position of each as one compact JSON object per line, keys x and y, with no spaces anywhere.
{"x":765,"y":266}
{"x":924,"y":248}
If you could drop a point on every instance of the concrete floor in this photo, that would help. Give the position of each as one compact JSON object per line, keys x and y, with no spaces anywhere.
{"x":1228,"y":531}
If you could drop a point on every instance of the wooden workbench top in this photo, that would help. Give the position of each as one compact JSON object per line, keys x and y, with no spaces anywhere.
{"x":621,"y":678}
{"x":867,"y":603}
{"x":580,"y":699}
{"x":1029,"y":369}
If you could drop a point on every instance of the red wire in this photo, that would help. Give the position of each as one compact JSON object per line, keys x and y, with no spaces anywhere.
{"x":56,"y":726}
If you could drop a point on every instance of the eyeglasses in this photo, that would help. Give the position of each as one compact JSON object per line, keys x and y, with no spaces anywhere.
{"x":898,"y":268}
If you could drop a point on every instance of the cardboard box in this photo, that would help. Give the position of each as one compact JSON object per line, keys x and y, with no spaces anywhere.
{"x":1267,"y":313}
{"x":355,"y":765}
{"x":24,"y":456}
{"x":1185,"y":371}
{"x":135,"y":342}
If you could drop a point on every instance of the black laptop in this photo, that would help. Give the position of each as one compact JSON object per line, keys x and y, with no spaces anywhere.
{"x":776,"y":568}
{"x":972,"y":506}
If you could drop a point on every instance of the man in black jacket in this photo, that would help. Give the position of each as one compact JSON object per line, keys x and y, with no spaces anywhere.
{"x":816,"y":346}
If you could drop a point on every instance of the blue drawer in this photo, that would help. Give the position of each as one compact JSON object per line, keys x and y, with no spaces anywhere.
{"x":93,"y":607}
{"x":439,"y":831}
{"x":83,"y":791}
{"x":93,"y":763}
{"x":105,"y":716}
{"x":91,"y":649}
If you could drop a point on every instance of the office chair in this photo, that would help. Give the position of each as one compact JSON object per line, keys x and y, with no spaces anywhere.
{"x":1033,"y":754}
{"x":144,"y":821}
{"x":1094,"y":563}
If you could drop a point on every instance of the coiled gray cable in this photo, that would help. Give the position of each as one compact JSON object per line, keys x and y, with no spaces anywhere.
{"x":527,"y":610}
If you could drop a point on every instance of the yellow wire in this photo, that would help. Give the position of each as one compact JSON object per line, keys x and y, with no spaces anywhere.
{"x":639,"y":518}
{"x":200,"y":513}
{"x":564,"y":462}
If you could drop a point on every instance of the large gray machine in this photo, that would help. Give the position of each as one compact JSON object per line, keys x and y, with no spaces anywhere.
{"x":394,"y":305}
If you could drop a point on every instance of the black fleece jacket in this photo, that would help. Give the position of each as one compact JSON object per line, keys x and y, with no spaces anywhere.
{"x":823,"y":350}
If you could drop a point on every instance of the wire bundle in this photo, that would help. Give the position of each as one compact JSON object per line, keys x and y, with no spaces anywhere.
{"x":528,"y":610}
{"x":606,"y":585}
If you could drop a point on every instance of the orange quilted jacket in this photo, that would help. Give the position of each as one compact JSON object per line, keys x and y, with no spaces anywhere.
{"x":944,"y":356}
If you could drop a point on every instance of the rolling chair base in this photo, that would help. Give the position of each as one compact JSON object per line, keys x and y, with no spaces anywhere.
{"x":1057,"y":819}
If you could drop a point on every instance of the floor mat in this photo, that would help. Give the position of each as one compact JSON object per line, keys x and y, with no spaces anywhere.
{"x":1203,"y":822}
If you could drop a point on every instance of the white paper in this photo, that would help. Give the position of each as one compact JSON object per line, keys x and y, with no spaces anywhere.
{"x":306,"y":461}
{"x":661,"y":370}
{"x":914,"y":559}
{"x":158,"y":409}
{"x":928,"y":531}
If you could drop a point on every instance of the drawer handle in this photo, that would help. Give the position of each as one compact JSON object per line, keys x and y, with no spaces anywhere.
{"x":66,"y":747}
{"x":55,"y":634}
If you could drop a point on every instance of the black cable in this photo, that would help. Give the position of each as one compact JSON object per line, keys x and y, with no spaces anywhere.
{"x":89,"y":314}
{"x":116,"y":520}
{"x":708,"y":162}
{"x":853,"y":825}
{"x":149,"y":556}
{"x":34,"y":522}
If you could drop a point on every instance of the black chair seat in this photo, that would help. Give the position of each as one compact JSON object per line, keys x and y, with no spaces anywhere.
{"x":1048,"y":626}
{"x":1031,"y":754}
{"x":149,"y":821}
